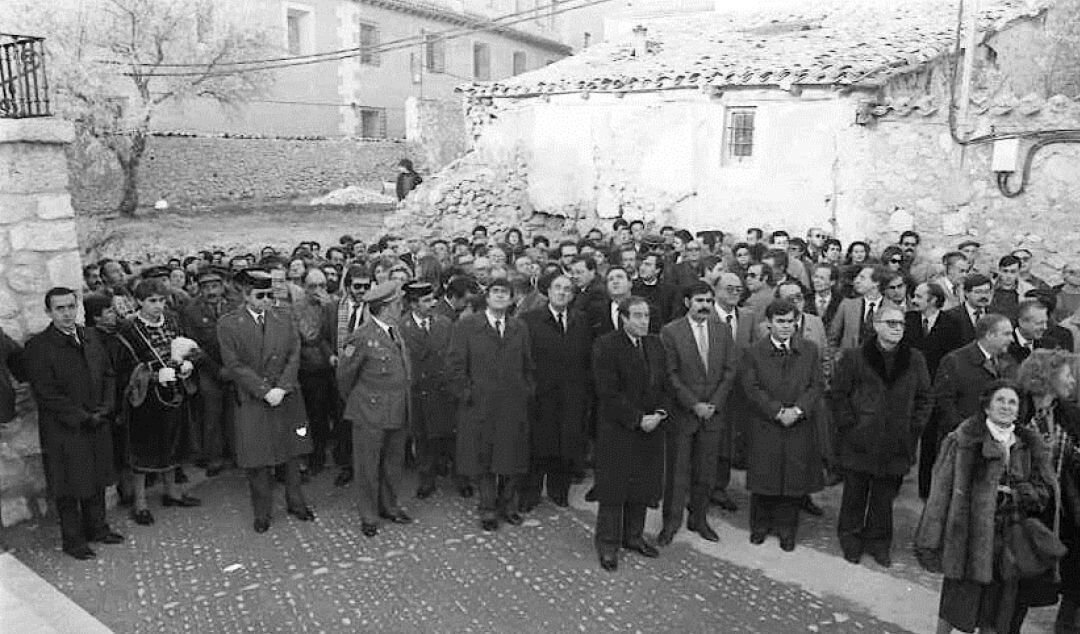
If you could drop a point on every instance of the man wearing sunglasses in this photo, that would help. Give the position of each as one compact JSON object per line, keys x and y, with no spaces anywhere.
{"x":351,"y":314}
{"x":882,"y":400}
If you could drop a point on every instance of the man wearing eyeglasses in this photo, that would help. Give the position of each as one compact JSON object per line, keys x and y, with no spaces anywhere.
{"x":918,"y":268}
{"x":313,"y":316}
{"x":351,"y":314}
{"x":882,"y":400}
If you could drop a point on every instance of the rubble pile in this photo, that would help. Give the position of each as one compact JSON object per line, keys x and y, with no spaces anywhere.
{"x":353,"y":195}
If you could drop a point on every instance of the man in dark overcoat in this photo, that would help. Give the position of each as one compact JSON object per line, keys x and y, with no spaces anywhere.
{"x":260,"y":349}
{"x":783,"y":381}
{"x":701,"y":358}
{"x":431,"y":412}
{"x":631,"y":390}
{"x":965,"y":372}
{"x":491,"y":371}
{"x":73,"y":383}
{"x":562,"y":350}
{"x":373,"y":376}
{"x":882,"y":399}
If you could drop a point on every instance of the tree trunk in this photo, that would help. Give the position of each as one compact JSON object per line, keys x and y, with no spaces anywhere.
{"x":129,"y":201}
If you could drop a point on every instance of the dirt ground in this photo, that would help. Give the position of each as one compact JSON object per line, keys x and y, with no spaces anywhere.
{"x":155,"y":235}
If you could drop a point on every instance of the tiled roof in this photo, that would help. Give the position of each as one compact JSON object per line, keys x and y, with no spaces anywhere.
{"x":805,"y":42}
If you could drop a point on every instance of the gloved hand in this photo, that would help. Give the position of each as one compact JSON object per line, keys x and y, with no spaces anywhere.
{"x":186,"y":368}
{"x":1026,"y":496}
{"x":166,"y":375}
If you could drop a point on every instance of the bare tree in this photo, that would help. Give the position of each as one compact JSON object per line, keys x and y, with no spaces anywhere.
{"x":115,"y":64}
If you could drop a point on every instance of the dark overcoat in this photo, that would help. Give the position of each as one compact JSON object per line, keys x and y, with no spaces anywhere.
{"x":563,"y":383}
{"x":956,"y":531}
{"x":71,"y":383}
{"x":373,"y":378}
{"x":12,"y":366}
{"x":431,"y":414}
{"x":629,"y":384}
{"x":961,"y":378}
{"x":783,"y":460}
{"x":258,"y":361}
{"x":880,"y":414}
{"x":493,"y":379}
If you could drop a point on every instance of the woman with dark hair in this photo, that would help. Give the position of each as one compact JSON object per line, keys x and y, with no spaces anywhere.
{"x":832,"y":252}
{"x":858,"y":252}
{"x":990,"y":477}
{"x":740,"y":259}
{"x":156,"y":398}
{"x":1048,"y":381}
{"x":515,"y":243}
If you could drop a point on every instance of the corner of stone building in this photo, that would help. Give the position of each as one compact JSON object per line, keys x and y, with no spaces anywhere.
{"x":39,"y":249}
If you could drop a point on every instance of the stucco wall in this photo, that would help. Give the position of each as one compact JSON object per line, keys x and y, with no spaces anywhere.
{"x":207,"y":170}
{"x":437,"y":129}
{"x":38,"y":250}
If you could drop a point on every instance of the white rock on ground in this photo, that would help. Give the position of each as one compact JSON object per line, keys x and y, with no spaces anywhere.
{"x":353,"y":195}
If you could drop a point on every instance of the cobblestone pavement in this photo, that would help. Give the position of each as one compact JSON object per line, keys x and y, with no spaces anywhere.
{"x":205,"y":570}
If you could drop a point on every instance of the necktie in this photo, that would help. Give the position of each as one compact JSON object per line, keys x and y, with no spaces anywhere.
{"x":390,"y":331}
{"x":730,"y":319}
{"x":427,"y":324}
{"x":261,"y":320}
{"x":701,"y":335}
{"x":499,"y":327}
{"x":562,"y":322}
{"x":352,"y":317}
{"x":785,"y":348}
{"x":870,"y":310}
{"x":926,"y":325}
{"x":978,"y":314}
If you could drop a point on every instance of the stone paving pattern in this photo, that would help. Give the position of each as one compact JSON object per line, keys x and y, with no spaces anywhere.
{"x":205,"y":570}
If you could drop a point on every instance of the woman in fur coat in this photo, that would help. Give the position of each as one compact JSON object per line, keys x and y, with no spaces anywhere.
{"x":989,"y":471}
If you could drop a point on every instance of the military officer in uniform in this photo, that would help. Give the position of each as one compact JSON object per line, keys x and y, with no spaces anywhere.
{"x":373,"y":377}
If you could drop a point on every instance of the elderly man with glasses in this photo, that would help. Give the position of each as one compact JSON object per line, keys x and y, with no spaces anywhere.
{"x":882,"y":399}
{"x":351,"y":314}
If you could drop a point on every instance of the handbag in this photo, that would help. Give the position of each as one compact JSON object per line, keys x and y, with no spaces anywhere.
{"x":1031,"y":549}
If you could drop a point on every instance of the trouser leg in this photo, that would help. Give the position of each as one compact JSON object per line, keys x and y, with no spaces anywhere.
{"x":852,"y":518}
{"x":879,"y":513}
{"x":262,"y":498}
{"x":294,"y":493}
{"x":317,"y":390}
{"x":71,"y":525}
{"x":507,"y":502}
{"x":94,"y":521}
{"x":609,"y":529}
{"x":393,"y":461}
{"x":760,"y":513}
{"x":1067,"y":621}
{"x":367,"y":464}
{"x":703,"y":477}
{"x":928,"y":449}
{"x":785,"y":514}
{"x":486,"y":488}
{"x":633,"y":523}
{"x":343,"y":444}
{"x":559,"y":476}
{"x":532,"y":484}
{"x":213,"y":418}
{"x":428,"y":462}
{"x":677,"y":483}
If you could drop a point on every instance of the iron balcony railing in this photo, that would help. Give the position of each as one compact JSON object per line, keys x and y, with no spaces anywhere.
{"x":24,"y":89}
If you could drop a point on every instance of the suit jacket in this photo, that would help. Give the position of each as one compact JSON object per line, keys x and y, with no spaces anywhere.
{"x":1019,"y":353}
{"x":830,"y":308}
{"x":967,"y":327}
{"x":942,"y":339}
{"x":811,"y":329}
{"x":847,"y":325}
{"x":745,"y":327}
{"x":663,"y":301}
{"x":373,"y":377}
{"x":961,"y":378}
{"x":690,"y":381}
{"x":258,"y":359}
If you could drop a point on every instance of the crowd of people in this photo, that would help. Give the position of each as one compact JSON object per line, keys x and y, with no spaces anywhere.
{"x":506,"y":369}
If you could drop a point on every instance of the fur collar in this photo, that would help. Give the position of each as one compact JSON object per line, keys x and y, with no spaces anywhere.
{"x":973,"y":432}
{"x":876,"y":359}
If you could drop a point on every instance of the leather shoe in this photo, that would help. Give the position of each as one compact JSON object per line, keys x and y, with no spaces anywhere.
{"x":883,"y":559}
{"x":467,"y":491}
{"x":787,"y":544}
{"x":185,"y":501}
{"x":368,"y":529}
{"x":398,"y":517}
{"x":707,"y":533}
{"x":666,"y":536}
{"x":304,"y":515}
{"x":757,"y":539}
{"x":590,"y":495}
{"x":513,"y":519}
{"x":142,"y":517}
{"x":82,"y":553}
{"x":722,"y":500}
{"x":261,"y":526}
{"x":560,"y":501}
{"x":609,"y":562}
{"x":109,"y":537}
{"x":853,"y":558}
{"x":425,"y":491}
{"x":344,"y":477}
{"x":643,"y":548}
{"x":808,"y":506}
{"x":489,"y":525}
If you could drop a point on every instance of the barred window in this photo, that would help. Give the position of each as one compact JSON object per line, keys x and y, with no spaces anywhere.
{"x":740,"y":133}
{"x":519,"y":62}
{"x":369,"y":43}
{"x":481,"y":61}
{"x":434,"y":53}
{"x":372,"y":122}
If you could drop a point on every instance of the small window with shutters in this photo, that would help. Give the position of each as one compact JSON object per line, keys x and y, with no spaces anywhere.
{"x":372,"y":122}
{"x":739,"y":145}
{"x":434,"y":53}
{"x":481,"y":61}
{"x":369,"y":43}
{"x":519,"y":62}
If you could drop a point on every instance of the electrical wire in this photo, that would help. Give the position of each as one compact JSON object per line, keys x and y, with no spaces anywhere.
{"x":402,"y":43}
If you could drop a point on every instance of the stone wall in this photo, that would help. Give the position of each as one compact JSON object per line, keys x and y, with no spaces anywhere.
{"x":189,"y":171}
{"x":38,"y":250}
{"x":437,"y":128}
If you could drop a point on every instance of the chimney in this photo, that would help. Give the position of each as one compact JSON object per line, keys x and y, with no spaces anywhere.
{"x":638,"y":40}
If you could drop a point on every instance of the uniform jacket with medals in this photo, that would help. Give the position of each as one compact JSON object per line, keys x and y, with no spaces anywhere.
{"x":373,"y":376}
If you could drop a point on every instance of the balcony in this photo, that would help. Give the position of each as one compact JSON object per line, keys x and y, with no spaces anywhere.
{"x":24,"y":89}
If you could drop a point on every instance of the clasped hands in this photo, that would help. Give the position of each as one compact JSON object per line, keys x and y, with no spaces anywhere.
{"x":169,"y":374}
{"x":649,"y":422}
{"x":274,"y":397}
{"x":788,"y":416}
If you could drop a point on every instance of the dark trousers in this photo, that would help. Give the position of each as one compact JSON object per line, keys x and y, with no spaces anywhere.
{"x":617,"y":525}
{"x":928,"y":450}
{"x":557,"y":472}
{"x":81,"y":520}
{"x":436,"y":458}
{"x":498,"y":495}
{"x":317,"y":388}
{"x":379,"y":456}
{"x":775,"y":514}
{"x":262,"y":496}
{"x":690,"y":470}
{"x":343,"y":443}
{"x":217,"y":433}
{"x":866,"y":521}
